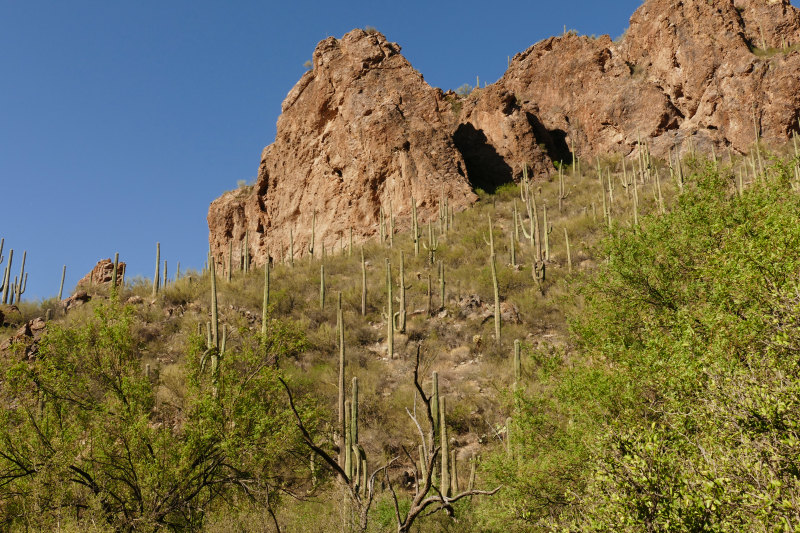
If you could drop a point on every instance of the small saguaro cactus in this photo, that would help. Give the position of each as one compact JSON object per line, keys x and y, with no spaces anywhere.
{"x":547,"y":231}
{"x":322,"y":286}
{"x":382,"y":226}
{"x":433,"y":243}
{"x":517,"y":364}
{"x":538,"y":272}
{"x":313,"y":231}
{"x":415,"y":235}
{"x":165,"y":278}
{"x":23,"y":279}
{"x":441,"y":284}
{"x":569,"y":255}
{"x":158,"y":269}
{"x":265,"y":304}
{"x":562,"y":195}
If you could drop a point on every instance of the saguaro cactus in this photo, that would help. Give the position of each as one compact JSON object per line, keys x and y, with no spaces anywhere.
{"x":441,"y":284}
{"x":114,"y":273}
{"x":435,"y":400}
{"x":7,"y":278}
{"x":322,"y":286}
{"x":389,"y":315}
{"x":569,"y":255}
{"x":265,"y":305}
{"x":23,"y":279}
{"x":363,"y":283}
{"x":547,"y":232}
{"x":313,"y":230}
{"x":433,"y":243}
{"x":415,"y":235}
{"x":401,"y":322}
{"x":493,"y":264}
{"x":561,"y":189}
{"x":230,"y":259}
{"x":517,"y":364}
{"x":63,"y":275}
{"x":445,"y":487}
{"x":158,"y":269}
{"x":342,"y":420}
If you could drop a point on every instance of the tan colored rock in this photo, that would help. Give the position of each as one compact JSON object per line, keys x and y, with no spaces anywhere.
{"x":360,"y":131}
{"x":102,"y":273}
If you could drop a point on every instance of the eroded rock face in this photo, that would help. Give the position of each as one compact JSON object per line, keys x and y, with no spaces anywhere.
{"x":360,"y":131}
{"x":683,"y":75}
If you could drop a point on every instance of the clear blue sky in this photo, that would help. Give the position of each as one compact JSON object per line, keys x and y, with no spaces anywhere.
{"x":121,"y":121}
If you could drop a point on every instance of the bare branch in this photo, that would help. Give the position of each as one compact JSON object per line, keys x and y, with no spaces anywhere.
{"x":309,"y":441}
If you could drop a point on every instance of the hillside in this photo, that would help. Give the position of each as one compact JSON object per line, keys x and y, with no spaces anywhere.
{"x":566,"y":301}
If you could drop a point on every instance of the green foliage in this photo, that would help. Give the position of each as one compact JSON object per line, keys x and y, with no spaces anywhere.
{"x":83,"y":431}
{"x":465,"y":90}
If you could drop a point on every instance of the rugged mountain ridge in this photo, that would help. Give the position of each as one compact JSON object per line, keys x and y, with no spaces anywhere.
{"x":363,"y":130}
{"x":360,"y":131}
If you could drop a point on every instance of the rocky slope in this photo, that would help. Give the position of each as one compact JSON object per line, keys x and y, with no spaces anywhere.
{"x":363,"y":130}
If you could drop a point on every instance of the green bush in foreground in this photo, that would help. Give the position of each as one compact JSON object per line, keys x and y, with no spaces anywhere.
{"x":84,"y":436}
{"x":681,"y":413}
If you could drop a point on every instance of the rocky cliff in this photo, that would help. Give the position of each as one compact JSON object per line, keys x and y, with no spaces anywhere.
{"x":360,"y":131}
{"x":363,"y":130}
{"x":687,"y":72}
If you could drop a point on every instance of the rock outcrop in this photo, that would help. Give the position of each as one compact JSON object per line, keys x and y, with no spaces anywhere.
{"x":682,"y":75}
{"x":103,"y":272}
{"x":26,"y":339}
{"x":360,"y":131}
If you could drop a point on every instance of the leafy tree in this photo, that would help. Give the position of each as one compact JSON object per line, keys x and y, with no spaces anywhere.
{"x":84,"y":434}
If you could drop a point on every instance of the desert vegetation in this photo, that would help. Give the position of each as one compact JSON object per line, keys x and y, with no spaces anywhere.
{"x":611,"y":349}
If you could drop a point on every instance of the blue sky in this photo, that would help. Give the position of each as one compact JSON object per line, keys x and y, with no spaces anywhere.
{"x":121,"y":121}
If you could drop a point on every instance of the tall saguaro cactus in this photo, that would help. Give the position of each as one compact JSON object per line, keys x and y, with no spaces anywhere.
{"x":63,"y":275}
{"x":389,"y":315}
{"x":445,"y":487}
{"x":401,"y":326}
{"x":342,"y":421}
{"x":114,"y":274}
{"x":415,"y":235}
{"x":493,"y":264}
{"x":7,"y":278}
{"x":265,"y":304}
{"x":322,"y":286}
{"x":363,"y":283}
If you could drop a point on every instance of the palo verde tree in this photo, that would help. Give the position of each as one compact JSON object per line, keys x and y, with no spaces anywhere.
{"x":84,"y":435}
